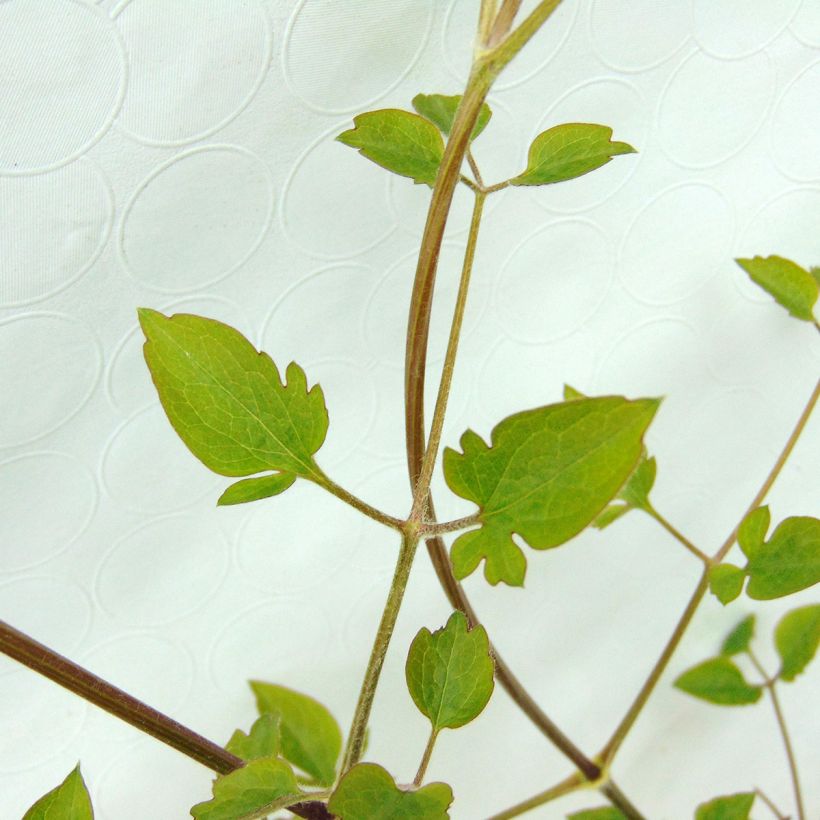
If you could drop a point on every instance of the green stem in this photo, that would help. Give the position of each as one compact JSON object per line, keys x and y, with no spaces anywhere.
{"x":425,"y":758}
{"x":572,"y":783}
{"x":433,"y":528}
{"x":362,"y":506}
{"x":650,"y":510}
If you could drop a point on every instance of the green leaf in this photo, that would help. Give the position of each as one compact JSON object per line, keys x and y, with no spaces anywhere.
{"x":791,"y":286}
{"x":441,"y":111}
{"x":69,"y":801}
{"x":450,"y":673}
{"x":815,"y":272}
{"x":254,"y":786}
{"x":639,"y":485}
{"x":261,"y":741}
{"x":732,"y":807}
{"x":610,"y":515}
{"x":796,"y":637}
{"x":548,"y":474}
{"x":571,"y":393}
{"x":738,"y":639}
{"x":368,"y":792}
{"x":726,"y":582}
{"x":254,"y":489}
{"x":788,"y":562}
{"x":569,"y":151}
{"x":719,"y":681}
{"x":309,"y":735}
{"x":402,"y":142}
{"x":227,"y":402}
{"x":752,"y":531}
{"x":603,"y":813}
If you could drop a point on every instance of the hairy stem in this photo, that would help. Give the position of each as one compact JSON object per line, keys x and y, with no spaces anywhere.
{"x":570,"y":784}
{"x":650,"y":510}
{"x":425,"y":758}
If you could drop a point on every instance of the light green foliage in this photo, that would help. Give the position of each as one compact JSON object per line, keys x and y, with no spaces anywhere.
{"x":69,"y":801}
{"x":571,"y":393}
{"x":227,"y":401}
{"x":639,"y":485}
{"x":441,"y":111}
{"x":793,"y":287}
{"x":309,"y":735}
{"x":254,"y":489}
{"x":368,"y":792}
{"x":400,"y":141}
{"x":815,"y":272}
{"x":752,"y":530}
{"x":726,"y":582}
{"x":738,"y":639}
{"x":450,"y":673}
{"x":568,"y":151}
{"x":610,"y":515}
{"x":548,"y":473}
{"x":254,"y":786}
{"x":261,"y":741}
{"x":731,"y":807}
{"x":719,"y":681}
{"x":796,"y":637}
{"x":603,"y":813}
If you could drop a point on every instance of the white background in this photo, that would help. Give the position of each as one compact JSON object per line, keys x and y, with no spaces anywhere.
{"x":180,"y":155}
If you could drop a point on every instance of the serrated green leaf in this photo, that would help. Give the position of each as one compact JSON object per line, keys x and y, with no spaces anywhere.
{"x":68,"y":801}
{"x":718,"y":681}
{"x":257,"y":784}
{"x":400,"y":141}
{"x":788,"y":562}
{"x":752,"y":530}
{"x":731,"y":807}
{"x":368,"y":792}
{"x":569,"y":151}
{"x":261,"y":741}
{"x":726,"y":582}
{"x":603,"y":813}
{"x":796,"y":637}
{"x":227,"y":401}
{"x":309,"y":736}
{"x":791,"y":286}
{"x":638,"y":486}
{"x":738,"y":639}
{"x":450,"y":673}
{"x":610,"y":515}
{"x":255,"y":489}
{"x":547,"y":475}
{"x":440,"y":109}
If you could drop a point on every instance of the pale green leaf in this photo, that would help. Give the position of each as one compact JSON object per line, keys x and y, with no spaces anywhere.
{"x":638,"y":486}
{"x":400,"y":141}
{"x":368,"y":792}
{"x":68,"y":801}
{"x":309,"y":735}
{"x":441,"y":111}
{"x":569,"y":151}
{"x":255,"y":489}
{"x":796,"y":637}
{"x":548,"y":473}
{"x":610,"y":515}
{"x":788,"y":562}
{"x":738,"y":639}
{"x":752,"y":531}
{"x":791,"y":286}
{"x":731,"y":807}
{"x":261,"y":741}
{"x":726,"y":582}
{"x":815,"y":272}
{"x":603,"y":813}
{"x":571,"y":393}
{"x":450,"y":673}
{"x":257,"y":784}
{"x":718,"y":681}
{"x":227,"y":402}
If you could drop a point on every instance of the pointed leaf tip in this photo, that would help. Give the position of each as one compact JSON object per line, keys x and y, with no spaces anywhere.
{"x":68,"y":801}
{"x":791,"y":286}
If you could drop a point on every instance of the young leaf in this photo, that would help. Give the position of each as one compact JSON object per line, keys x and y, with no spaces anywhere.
{"x":610,"y":515}
{"x":450,"y":673}
{"x":261,"y":741}
{"x":738,"y":639}
{"x":227,"y":402}
{"x":637,"y":488}
{"x":548,"y":474}
{"x":69,"y":801}
{"x":568,"y":151}
{"x":719,"y":681}
{"x":788,"y":562}
{"x":402,"y":142}
{"x":368,"y":792}
{"x":254,"y":489}
{"x":732,"y":807}
{"x":815,"y":272}
{"x":796,"y":637}
{"x":309,"y":735}
{"x":571,"y":393}
{"x":257,"y":784}
{"x":791,"y":286}
{"x":752,"y":530}
{"x":603,"y":813}
{"x":441,"y":111}
{"x":726,"y":582}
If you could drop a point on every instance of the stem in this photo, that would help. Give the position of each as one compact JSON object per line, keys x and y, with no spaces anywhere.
{"x":355,"y":740}
{"x":432,"y":528}
{"x":362,"y":506}
{"x":425,"y":758}
{"x":503,"y":21}
{"x":650,"y":510}
{"x":775,"y":811}
{"x":572,"y":783}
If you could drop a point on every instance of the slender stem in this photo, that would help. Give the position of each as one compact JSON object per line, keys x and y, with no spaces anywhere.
{"x":475,"y":169}
{"x":486,"y":17}
{"x":499,"y":186}
{"x":775,"y":811}
{"x":650,"y":510}
{"x":430,"y":528}
{"x":357,"y":503}
{"x":425,"y":758}
{"x":355,"y":740}
{"x":572,"y":783}
{"x":310,"y":802}
{"x":503,"y":21}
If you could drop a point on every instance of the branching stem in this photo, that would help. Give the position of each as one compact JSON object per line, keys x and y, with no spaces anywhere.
{"x":675,"y":533}
{"x":357,"y":503}
{"x":567,"y":786}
